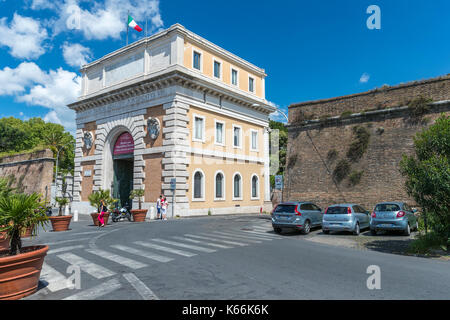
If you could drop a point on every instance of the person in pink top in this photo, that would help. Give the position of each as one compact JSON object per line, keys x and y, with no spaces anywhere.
{"x":102,"y":213}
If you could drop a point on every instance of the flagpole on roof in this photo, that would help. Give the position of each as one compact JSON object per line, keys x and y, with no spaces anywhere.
{"x":128,"y":13}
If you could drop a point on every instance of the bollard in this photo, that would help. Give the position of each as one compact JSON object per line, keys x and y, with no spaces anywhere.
{"x":152,"y":213}
{"x":66,"y":211}
{"x":75,"y":215}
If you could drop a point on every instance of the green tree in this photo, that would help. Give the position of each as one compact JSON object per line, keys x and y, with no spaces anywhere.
{"x":283,"y":135}
{"x":427,"y":175}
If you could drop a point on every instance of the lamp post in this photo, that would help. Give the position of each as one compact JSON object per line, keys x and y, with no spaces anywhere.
{"x":56,"y":173}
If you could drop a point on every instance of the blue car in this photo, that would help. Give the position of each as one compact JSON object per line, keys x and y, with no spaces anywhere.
{"x":345,"y":217}
{"x":296,"y":215}
{"x":393,"y":216}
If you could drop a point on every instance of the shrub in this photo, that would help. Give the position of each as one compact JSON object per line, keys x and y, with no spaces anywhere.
{"x":137,"y":193}
{"x":355,"y":177}
{"x":341,"y":170}
{"x":419,"y":106}
{"x":424,"y":243}
{"x":332,"y":155}
{"x":96,"y":197}
{"x":346,"y":114}
{"x":292,"y":160}
{"x":359,"y":145}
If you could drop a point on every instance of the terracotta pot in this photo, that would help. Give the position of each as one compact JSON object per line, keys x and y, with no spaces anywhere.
{"x":60,"y":223}
{"x":19,"y":274}
{"x":95,"y":218}
{"x":4,"y":241}
{"x":139,"y":215}
{"x":26,"y":233}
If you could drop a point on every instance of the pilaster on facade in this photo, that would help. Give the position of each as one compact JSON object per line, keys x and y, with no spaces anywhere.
{"x":77,"y":174}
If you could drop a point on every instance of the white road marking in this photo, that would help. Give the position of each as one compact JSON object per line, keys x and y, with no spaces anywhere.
{"x":216,"y":240}
{"x":166,"y":249}
{"x":243,"y":236}
{"x":97,"y":291}
{"x":130,"y":263}
{"x":231,"y":238}
{"x":88,"y":232}
{"x":246,"y":234}
{"x":56,"y":280}
{"x":262,"y":228}
{"x":183,"y":245}
{"x":263,"y":234}
{"x":69,"y":248}
{"x":202,"y":242}
{"x":142,"y":253}
{"x":93,"y":269}
{"x":140,"y":287}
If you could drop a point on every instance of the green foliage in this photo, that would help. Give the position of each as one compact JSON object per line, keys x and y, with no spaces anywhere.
{"x":35,"y":134}
{"x":96,"y":197}
{"x":137,"y":193}
{"x":427,"y":174}
{"x":355,"y":177}
{"x":283,"y":135}
{"x":346,"y":114}
{"x":20,"y":211}
{"x":62,"y":202}
{"x":359,"y":144}
{"x":5,"y":187}
{"x":419,"y":106}
{"x":341,"y":170}
{"x":332,"y":155}
{"x":424,"y":243}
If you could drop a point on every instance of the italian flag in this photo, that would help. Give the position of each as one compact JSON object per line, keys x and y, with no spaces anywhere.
{"x":133,"y":24}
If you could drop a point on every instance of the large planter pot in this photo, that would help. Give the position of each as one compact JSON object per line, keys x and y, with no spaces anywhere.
{"x":4,"y":241}
{"x":139,"y":215}
{"x":19,"y":274}
{"x":95,"y":218}
{"x":60,"y":223}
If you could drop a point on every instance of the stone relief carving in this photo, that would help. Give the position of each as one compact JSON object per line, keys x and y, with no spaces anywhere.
{"x":153,"y":128}
{"x":87,"y":140}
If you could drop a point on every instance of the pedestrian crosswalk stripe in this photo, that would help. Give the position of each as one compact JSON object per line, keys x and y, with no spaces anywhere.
{"x":262,"y":228}
{"x":263,"y":234}
{"x":97,"y":291}
{"x":142,"y":253}
{"x":222,"y":246}
{"x":255,"y":235}
{"x":183,"y":245}
{"x":216,"y":240}
{"x":93,"y":269}
{"x":56,"y":280}
{"x":166,"y":249}
{"x":243,"y":236}
{"x":140,"y":287}
{"x":130,"y":263}
{"x":228,"y":237}
{"x":63,"y":249}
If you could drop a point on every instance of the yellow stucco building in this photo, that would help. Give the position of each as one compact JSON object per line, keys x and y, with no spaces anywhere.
{"x":174,"y":114}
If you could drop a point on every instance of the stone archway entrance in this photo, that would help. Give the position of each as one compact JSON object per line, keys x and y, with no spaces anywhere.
{"x":123,"y":160}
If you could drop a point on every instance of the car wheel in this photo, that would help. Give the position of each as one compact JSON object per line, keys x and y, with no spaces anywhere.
{"x":357,"y":230}
{"x":307,"y":227}
{"x":326,"y":231}
{"x":373,"y":232}
{"x":407,"y":232}
{"x":277,"y":230}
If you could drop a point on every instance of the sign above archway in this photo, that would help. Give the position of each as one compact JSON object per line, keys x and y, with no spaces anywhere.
{"x":124,"y":144}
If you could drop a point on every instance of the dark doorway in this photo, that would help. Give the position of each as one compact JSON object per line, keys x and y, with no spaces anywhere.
{"x":123,"y":179}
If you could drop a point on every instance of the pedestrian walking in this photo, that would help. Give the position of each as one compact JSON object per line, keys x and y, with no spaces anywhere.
{"x":158,"y":207}
{"x":103,"y":209}
{"x":164,"y":205}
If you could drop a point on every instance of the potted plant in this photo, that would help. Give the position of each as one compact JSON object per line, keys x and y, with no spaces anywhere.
{"x":20,"y":267}
{"x":138,"y":215}
{"x":5,"y":191}
{"x":61,"y":222}
{"x":95,"y":199}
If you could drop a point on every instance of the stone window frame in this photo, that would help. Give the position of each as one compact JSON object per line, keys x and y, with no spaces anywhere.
{"x":200,"y":52}
{"x":257,"y":187}
{"x":194,"y":128}
{"x":237,"y":76}
{"x":194,"y":199}
{"x":216,"y":121}
{"x":240,"y":198}
{"x":251,"y":140}
{"x":241,"y":142}
{"x":223,"y":198}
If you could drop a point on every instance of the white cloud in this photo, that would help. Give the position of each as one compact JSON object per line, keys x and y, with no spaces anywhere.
{"x":76,"y":55}
{"x":364,"y":78}
{"x":24,"y":37}
{"x":53,"y":90}
{"x":103,"y":20}
{"x":42,"y":4}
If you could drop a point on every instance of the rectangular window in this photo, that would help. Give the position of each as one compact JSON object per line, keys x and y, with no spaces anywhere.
{"x":251,"y":84}
{"x":254,"y":137}
{"x":198,"y":128}
{"x":234,"y":77}
{"x":219,"y":133}
{"x":217,"y":69}
{"x":197,"y":60}
{"x":237,"y":136}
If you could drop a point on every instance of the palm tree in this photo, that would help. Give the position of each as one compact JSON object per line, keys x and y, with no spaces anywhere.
{"x":96,"y":197}
{"x":137,"y":193}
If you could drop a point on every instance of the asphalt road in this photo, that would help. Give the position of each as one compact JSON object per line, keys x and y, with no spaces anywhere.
{"x":232,"y":257}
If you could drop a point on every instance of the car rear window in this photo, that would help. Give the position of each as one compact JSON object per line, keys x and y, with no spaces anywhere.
{"x":288,"y":208}
{"x":387,"y":207}
{"x":337,"y":210}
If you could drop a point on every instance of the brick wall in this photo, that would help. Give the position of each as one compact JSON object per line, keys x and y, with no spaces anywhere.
{"x":309,"y":176}
{"x":32,"y":171}
{"x":436,"y":89}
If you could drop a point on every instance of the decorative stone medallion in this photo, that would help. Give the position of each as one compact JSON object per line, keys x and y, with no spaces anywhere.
{"x":153,"y":128}
{"x":87,"y":139}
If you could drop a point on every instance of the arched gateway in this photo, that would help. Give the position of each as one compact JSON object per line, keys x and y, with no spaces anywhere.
{"x":123,"y":156}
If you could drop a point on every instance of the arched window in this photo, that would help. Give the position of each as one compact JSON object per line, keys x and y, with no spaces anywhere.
{"x":237,"y":186}
{"x":199,"y":185}
{"x":255,"y":187}
{"x":219,"y":186}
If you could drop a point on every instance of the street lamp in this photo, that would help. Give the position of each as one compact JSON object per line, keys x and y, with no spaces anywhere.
{"x":56,"y":174}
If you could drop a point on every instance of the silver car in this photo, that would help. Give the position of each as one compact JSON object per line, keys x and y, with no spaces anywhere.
{"x":345,"y":217}
{"x":390,"y":216}
{"x":296,"y":215}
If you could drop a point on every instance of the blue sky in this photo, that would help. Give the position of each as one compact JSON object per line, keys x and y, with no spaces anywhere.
{"x":309,"y":49}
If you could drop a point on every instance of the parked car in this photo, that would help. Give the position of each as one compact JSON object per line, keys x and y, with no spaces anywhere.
{"x":296,"y":215}
{"x":345,"y":217}
{"x":393,"y":215}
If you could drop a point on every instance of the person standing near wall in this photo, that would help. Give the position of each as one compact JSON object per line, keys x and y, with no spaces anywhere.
{"x":103,"y":209}
{"x":164,"y":205}
{"x":158,"y":207}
